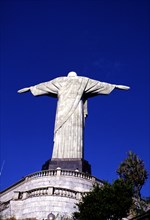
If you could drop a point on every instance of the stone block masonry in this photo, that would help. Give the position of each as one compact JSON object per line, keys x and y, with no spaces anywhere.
{"x":40,"y":193}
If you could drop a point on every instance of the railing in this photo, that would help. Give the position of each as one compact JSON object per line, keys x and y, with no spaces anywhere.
{"x":48,"y":191}
{"x":57,"y":172}
{"x":37,"y":192}
{"x":66,"y":193}
{"x":60,"y":172}
{"x":42,"y":173}
{"x":76,"y":174}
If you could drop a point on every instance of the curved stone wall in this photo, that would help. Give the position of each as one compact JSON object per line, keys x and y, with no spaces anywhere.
{"x":41,"y":193}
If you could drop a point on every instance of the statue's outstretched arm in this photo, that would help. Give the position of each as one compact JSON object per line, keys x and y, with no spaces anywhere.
{"x":47,"y":88}
{"x":95,"y":87}
{"x":122,"y":87}
{"x":36,"y":90}
{"x":24,"y":90}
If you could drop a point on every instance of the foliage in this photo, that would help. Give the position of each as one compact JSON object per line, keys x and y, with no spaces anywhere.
{"x":147,"y":200}
{"x":132,"y":169}
{"x":106,"y":202}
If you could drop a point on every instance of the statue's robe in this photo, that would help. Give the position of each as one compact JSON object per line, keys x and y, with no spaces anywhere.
{"x":72,"y":93}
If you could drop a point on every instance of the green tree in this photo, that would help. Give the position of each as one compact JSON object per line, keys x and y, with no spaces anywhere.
{"x":111,"y":202}
{"x":132,"y":169}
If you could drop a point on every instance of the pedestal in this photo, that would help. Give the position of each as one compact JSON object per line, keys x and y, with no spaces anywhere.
{"x":68,"y":164}
{"x":49,"y":191}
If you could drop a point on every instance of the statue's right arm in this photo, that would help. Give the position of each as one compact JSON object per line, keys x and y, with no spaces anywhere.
{"x":36,"y":90}
{"x":24,"y":90}
{"x":39,"y":89}
{"x":47,"y":88}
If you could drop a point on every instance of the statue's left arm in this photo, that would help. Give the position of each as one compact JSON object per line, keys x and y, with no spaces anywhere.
{"x":95,"y":87}
{"x":46,"y":88}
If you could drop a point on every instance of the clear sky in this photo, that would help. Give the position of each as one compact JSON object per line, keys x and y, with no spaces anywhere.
{"x":102,"y":39}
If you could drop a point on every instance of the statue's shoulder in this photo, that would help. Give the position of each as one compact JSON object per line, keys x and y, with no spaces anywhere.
{"x":84,"y":79}
{"x":64,"y":78}
{"x":59,"y":79}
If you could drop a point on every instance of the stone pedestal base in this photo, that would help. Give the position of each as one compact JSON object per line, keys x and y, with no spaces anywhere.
{"x":68,"y":164}
{"x":49,"y":191}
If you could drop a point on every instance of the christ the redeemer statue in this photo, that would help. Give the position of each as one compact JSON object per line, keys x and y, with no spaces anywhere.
{"x":72,"y":93}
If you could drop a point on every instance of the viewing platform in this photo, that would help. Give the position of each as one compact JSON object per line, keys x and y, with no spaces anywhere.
{"x":48,"y":191}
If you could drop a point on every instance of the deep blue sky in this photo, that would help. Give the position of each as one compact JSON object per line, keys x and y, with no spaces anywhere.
{"x":104,"y":40}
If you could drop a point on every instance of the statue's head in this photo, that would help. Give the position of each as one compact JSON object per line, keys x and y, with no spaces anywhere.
{"x":72,"y":74}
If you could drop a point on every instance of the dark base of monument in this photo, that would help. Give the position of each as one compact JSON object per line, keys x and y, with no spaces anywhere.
{"x":68,"y":164}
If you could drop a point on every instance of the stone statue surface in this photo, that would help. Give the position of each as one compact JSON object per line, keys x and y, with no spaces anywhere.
{"x":72,"y":92}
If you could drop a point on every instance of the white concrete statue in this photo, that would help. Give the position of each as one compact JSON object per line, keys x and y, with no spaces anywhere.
{"x":72,"y":93}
